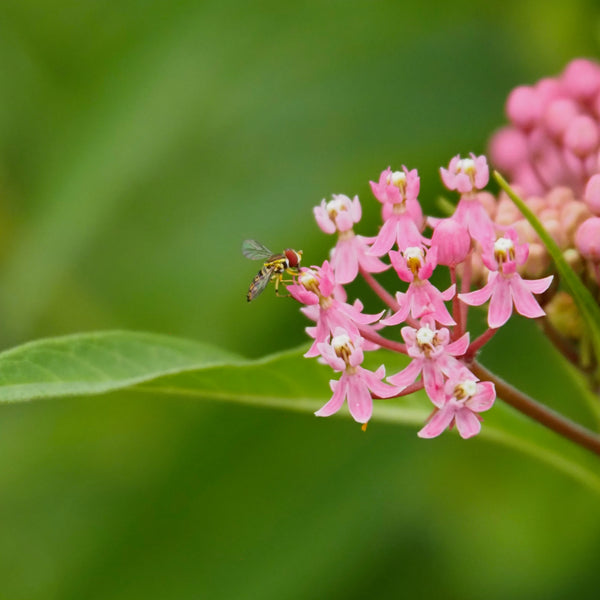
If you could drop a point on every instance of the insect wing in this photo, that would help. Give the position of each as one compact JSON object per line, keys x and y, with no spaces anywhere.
{"x":260,"y":282}
{"x":255,"y":250}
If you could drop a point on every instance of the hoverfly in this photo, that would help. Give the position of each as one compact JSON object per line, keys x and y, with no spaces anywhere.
{"x":274,"y":267}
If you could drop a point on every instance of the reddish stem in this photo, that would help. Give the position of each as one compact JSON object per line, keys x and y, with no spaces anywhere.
{"x":538,"y":412}
{"x":385,"y":296}
{"x":411,"y":389}
{"x":457,"y":331}
{"x":478,"y":343}
{"x":369,"y":334}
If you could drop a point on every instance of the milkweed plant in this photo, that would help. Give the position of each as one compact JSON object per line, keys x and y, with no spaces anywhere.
{"x":497,"y":250}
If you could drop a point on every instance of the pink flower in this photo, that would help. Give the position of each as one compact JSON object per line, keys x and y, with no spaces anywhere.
{"x":351,"y":251}
{"x":421,"y":298}
{"x":339,"y":214}
{"x":433,"y":356}
{"x":505,"y":285}
{"x":587,"y":239}
{"x":465,"y":398}
{"x":326,"y":305}
{"x":466,"y":174}
{"x":471,"y":213}
{"x":397,"y":187}
{"x":398,"y":192}
{"x":451,"y":238}
{"x":344,"y":353}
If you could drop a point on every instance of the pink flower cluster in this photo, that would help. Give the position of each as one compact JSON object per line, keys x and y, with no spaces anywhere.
{"x":550,"y":153}
{"x":435,"y":337}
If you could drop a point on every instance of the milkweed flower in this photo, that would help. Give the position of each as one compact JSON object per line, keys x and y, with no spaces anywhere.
{"x":325,"y":304}
{"x":464,"y":398}
{"x":398,"y":192}
{"x":432,"y":355}
{"x":351,"y":251}
{"x":505,"y":286}
{"x":466,"y":174}
{"x":415,"y":265}
{"x":356,"y":385}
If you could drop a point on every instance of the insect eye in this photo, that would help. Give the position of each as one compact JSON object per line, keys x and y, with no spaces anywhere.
{"x":293,"y":257}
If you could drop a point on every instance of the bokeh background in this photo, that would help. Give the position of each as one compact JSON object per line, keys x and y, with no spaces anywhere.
{"x":140,"y":143}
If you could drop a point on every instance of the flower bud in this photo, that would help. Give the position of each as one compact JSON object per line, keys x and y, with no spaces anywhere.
{"x":587,"y":239}
{"x":537,"y":262}
{"x":523,"y":106}
{"x":581,"y":79}
{"x":508,"y":148}
{"x":572,"y":215}
{"x":452,"y":241}
{"x":564,"y":315}
{"x":592,"y":194}
{"x":581,"y":136}
{"x":559,"y":115}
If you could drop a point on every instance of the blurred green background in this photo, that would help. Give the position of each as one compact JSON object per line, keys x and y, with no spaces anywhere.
{"x":140,"y":143}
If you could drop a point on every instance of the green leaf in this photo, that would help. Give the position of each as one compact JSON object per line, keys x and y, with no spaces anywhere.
{"x":581,"y":295}
{"x":96,"y":363}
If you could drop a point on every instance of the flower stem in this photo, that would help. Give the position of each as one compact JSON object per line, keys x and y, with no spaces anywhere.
{"x":538,"y":412}
{"x":457,"y":310}
{"x":380,"y":290}
{"x":479,"y":343}
{"x":370,"y":335}
{"x":411,"y":389}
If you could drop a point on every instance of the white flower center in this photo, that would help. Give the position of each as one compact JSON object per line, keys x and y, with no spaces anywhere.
{"x":340,"y":341}
{"x":308,"y":279}
{"x":504,"y":249}
{"x":336,"y":206}
{"x":465,"y":390}
{"x":466,"y":165}
{"x":398,"y":178}
{"x":425,"y":336}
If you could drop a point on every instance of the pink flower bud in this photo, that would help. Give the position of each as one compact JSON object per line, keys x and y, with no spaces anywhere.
{"x":581,"y":78}
{"x":508,"y":148}
{"x":572,"y":215}
{"x":581,"y":136}
{"x":587,"y":239}
{"x":560,"y":196}
{"x":592,"y":194}
{"x":507,"y":212}
{"x":537,"y":262}
{"x":559,"y":114}
{"x":523,"y":107}
{"x":452,"y":241}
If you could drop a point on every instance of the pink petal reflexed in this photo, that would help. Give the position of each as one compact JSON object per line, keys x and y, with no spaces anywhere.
{"x":500,"y":304}
{"x":467,"y":423}
{"x":525,"y":303}
{"x":438,"y":423}
{"x":339,"y":393}
{"x":360,"y":402}
{"x":407,"y":376}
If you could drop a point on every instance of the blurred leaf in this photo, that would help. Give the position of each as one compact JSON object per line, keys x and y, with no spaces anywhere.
{"x":95,"y":363}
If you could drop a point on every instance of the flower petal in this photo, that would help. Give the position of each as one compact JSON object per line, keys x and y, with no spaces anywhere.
{"x":337,"y":399}
{"x":360,"y":402}
{"x":525,"y":303}
{"x":467,"y":423}
{"x":500,"y":304}
{"x":438,"y":423}
{"x":407,"y":376}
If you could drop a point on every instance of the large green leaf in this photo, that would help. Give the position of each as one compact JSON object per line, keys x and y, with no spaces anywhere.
{"x":96,"y":363}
